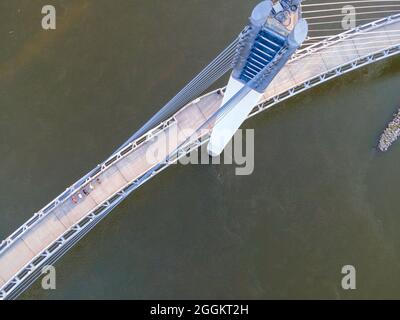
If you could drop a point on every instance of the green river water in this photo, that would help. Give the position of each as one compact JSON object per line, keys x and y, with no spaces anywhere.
{"x":320,"y":197}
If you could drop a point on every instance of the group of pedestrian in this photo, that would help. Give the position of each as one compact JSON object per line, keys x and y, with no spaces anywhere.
{"x":85,"y":191}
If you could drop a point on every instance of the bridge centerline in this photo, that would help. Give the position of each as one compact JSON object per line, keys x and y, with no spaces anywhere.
{"x":130,"y":186}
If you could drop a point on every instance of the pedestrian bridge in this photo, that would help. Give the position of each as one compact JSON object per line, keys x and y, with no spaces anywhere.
{"x":58,"y":226}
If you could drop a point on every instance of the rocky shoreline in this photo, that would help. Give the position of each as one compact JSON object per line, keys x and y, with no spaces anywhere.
{"x":391,"y":133}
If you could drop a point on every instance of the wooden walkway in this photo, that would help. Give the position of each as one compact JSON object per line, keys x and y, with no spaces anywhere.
{"x":132,"y":165}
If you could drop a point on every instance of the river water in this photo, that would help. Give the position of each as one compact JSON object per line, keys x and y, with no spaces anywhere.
{"x":320,"y":196}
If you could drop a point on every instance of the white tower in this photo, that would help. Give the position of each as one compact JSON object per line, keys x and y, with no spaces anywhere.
{"x":275,"y":32}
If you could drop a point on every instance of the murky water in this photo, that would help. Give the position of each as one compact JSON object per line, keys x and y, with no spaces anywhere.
{"x":320,"y":196}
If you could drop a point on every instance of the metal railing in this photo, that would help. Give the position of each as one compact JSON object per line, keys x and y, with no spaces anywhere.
{"x":365,"y":28}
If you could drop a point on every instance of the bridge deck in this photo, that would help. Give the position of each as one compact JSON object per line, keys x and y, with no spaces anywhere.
{"x":40,"y":236}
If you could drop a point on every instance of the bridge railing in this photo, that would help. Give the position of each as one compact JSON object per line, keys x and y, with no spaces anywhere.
{"x":339,"y":70}
{"x":301,"y":53}
{"x":334,"y":73}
